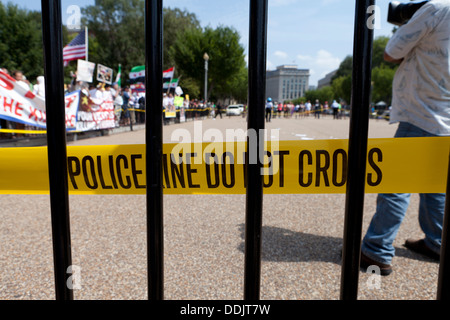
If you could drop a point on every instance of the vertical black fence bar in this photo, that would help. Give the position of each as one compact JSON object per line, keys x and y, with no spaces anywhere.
{"x":256,"y":109}
{"x":443,"y":291}
{"x":357,"y":150}
{"x":56,"y":141}
{"x":154,"y":147}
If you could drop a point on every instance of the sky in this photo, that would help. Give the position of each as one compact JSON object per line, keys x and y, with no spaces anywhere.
{"x":315,"y":35}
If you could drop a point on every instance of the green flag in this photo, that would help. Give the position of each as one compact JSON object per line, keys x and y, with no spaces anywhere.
{"x":137,"y":74}
{"x":172,"y":84}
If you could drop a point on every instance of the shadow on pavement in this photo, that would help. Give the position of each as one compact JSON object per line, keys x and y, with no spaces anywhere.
{"x":284,"y":245}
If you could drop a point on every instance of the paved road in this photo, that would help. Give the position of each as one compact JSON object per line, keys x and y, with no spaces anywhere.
{"x":286,"y":129}
{"x":204,"y":238}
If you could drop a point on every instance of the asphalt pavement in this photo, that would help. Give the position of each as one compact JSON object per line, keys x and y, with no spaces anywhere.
{"x":204,"y":236}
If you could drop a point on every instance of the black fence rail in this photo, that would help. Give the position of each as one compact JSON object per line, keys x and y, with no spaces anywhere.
{"x":56,"y":144}
{"x":52,"y":36}
{"x":357,"y":150}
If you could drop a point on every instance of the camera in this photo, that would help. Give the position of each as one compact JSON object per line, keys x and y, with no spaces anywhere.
{"x":400,"y":13}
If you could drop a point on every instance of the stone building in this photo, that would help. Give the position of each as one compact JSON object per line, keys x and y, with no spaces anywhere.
{"x":287,"y":82}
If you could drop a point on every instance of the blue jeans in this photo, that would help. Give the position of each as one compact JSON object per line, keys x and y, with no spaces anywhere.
{"x":391,"y":209}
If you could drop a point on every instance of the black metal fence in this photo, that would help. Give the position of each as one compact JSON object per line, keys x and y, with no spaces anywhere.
{"x":52,"y":36}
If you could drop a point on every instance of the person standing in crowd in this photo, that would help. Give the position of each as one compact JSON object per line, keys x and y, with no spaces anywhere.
{"x":218,"y":111}
{"x":302,"y":109}
{"x":325,"y":107}
{"x":420,"y":104}
{"x":126,"y":100}
{"x":269,"y":106}
{"x":335,"y":107}
{"x":165,"y":107}
{"x":118,"y":102}
{"x":141,"y":102}
{"x":115,"y":90}
{"x":308,"y":108}
{"x":39,"y":87}
{"x":133,"y":104}
{"x":21,"y":80}
{"x":317,"y":110}
{"x":108,"y":94}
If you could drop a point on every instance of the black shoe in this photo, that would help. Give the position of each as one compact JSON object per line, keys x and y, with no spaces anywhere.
{"x":366,"y":262}
{"x":419,"y":246}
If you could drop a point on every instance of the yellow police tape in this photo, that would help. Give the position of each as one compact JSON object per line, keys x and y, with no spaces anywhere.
{"x":19,"y":131}
{"x":412,"y":165}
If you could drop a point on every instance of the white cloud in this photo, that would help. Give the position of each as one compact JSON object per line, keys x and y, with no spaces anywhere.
{"x":280,"y":54}
{"x":305,"y":59}
{"x":319,"y":65}
{"x":326,"y":60}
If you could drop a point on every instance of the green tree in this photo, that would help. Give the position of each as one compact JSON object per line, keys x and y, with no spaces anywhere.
{"x":322,"y":94}
{"x":226,"y":57}
{"x":342,"y":88}
{"x":298,"y":100}
{"x":379,"y":44}
{"x":175,"y":21}
{"x":117,"y":31}
{"x":345,"y":68}
{"x":382,"y":72}
{"x":21,"y":41}
{"x":239,"y":85}
{"x":382,"y":75}
{"x":382,"y":78}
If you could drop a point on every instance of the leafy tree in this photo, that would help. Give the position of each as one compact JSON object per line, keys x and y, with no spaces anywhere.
{"x":238,"y":88}
{"x":382,"y":78}
{"x":345,"y":68}
{"x":118,"y":29}
{"x":298,"y":100}
{"x":21,"y":41}
{"x":342,"y":88}
{"x":117,"y":32}
{"x":226,"y":57}
{"x":382,"y":74}
{"x":191,"y":87}
{"x":322,"y":94}
{"x":175,"y":21}
{"x":379,"y":44}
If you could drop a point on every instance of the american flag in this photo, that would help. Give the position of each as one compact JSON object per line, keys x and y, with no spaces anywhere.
{"x":76,"y":49}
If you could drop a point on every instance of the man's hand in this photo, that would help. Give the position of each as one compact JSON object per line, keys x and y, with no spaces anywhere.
{"x":388,"y":58}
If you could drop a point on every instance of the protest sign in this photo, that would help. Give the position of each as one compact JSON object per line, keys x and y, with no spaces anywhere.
{"x":85,"y":71}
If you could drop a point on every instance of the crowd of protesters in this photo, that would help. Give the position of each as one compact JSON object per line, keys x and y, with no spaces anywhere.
{"x":307,"y":109}
{"x":129,"y":105}
{"x":37,"y":88}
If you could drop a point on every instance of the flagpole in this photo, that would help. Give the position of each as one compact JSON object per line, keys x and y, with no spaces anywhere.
{"x":170,"y":82}
{"x":86,"y":40}
{"x":178,"y":81}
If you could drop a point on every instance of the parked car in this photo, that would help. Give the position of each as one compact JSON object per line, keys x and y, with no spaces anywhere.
{"x":234,"y":110}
